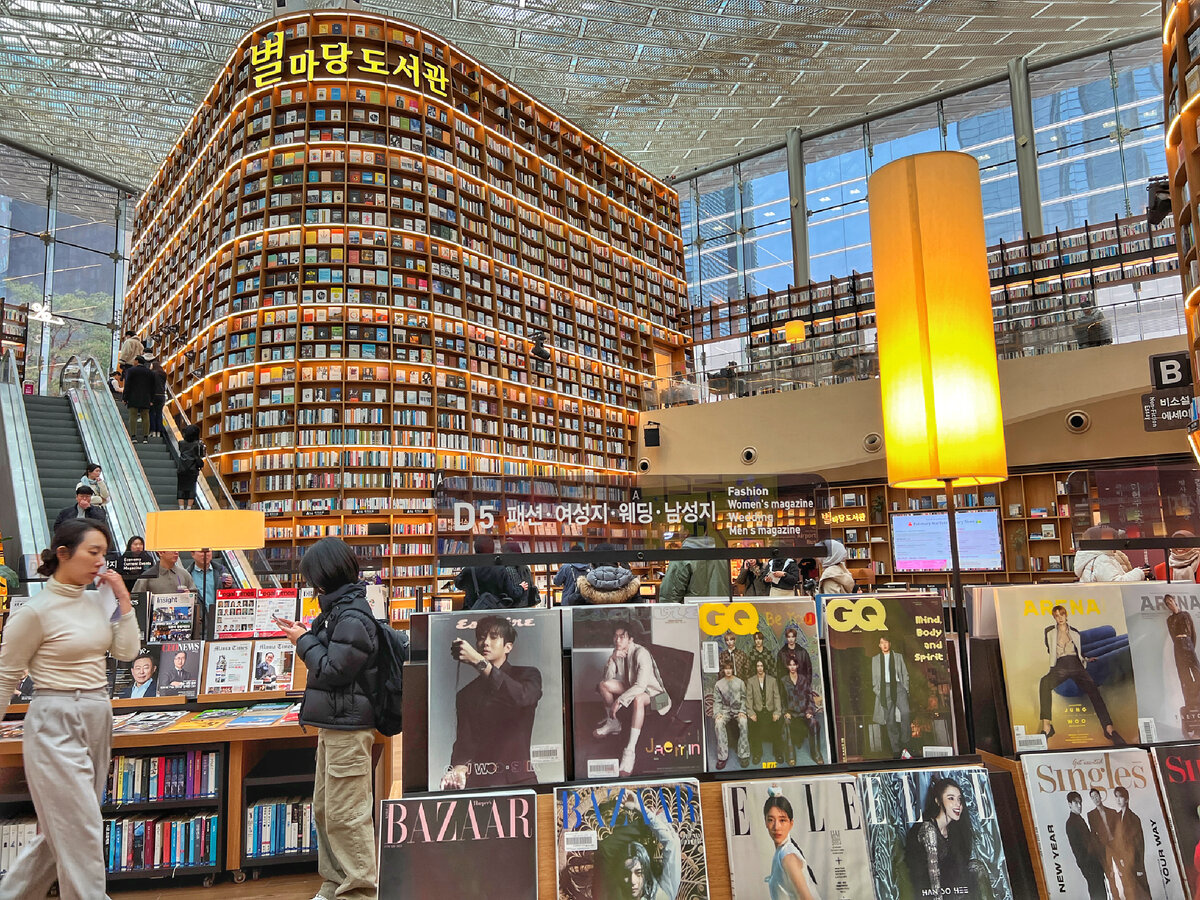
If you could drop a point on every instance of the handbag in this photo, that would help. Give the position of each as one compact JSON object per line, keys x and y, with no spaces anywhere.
{"x":488,"y":600}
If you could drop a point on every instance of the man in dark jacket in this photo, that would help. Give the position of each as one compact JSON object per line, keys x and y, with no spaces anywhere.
{"x":495,"y":712}
{"x":139,"y":397}
{"x":497,"y":580}
{"x":83,"y":509}
{"x":1085,"y":846}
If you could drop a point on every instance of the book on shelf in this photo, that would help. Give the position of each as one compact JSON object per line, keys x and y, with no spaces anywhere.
{"x":280,"y":826}
{"x":162,"y":843}
{"x":151,"y":776}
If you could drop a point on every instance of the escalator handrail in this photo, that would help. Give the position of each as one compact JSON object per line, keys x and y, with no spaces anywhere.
{"x":33,"y":528}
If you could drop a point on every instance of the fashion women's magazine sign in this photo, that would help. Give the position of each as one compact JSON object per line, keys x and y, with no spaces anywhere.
{"x":797,"y":837}
{"x":482,"y":846}
{"x":934,"y":833}
{"x":1067,"y":668}
{"x":1162,"y":639}
{"x":1100,"y":826}
{"x":495,"y":685}
{"x":630,"y":841}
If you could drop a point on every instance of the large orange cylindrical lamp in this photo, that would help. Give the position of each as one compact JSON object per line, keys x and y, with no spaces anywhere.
{"x":933,"y":308}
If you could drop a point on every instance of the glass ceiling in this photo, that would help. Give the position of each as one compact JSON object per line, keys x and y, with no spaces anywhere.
{"x":108,"y":84}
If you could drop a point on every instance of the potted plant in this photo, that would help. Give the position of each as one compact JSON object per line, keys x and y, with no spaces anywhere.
{"x":877,"y":507}
{"x":1016,"y":540}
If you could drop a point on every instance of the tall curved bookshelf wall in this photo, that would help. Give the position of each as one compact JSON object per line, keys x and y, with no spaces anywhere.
{"x":358,"y":237}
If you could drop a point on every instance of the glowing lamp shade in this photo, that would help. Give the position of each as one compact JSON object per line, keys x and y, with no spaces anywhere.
{"x":793,"y":331}
{"x":205,"y":529}
{"x":933,"y":310}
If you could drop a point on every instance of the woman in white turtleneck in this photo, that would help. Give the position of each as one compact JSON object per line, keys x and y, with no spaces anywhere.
{"x":61,"y":637}
{"x":835,"y":577}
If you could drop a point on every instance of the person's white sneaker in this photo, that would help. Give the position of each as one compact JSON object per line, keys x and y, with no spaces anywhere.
{"x":627,"y":761}
{"x":611,"y":726}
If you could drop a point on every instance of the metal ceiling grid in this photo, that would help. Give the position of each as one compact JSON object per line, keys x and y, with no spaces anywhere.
{"x":108,"y":84}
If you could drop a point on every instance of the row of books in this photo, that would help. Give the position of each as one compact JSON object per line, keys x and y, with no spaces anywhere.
{"x":866,"y":836}
{"x":1093,"y":665}
{"x":676,"y":689}
{"x":160,"y":842}
{"x":152,"y":722}
{"x":280,"y":825}
{"x":15,"y":833}
{"x":170,"y":776}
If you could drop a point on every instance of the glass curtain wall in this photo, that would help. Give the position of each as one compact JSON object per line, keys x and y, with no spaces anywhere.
{"x":1099,"y":136}
{"x":60,"y":245}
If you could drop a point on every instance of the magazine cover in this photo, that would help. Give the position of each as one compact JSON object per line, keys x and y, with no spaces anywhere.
{"x":310,"y":607}
{"x":24,"y":690}
{"x":890,"y":676}
{"x":272,"y":603}
{"x":798,"y":835}
{"x":481,"y":846}
{"x":501,"y":673}
{"x":1067,"y":668}
{"x":206,"y":719}
{"x":1179,"y":782}
{"x":763,"y":687}
{"x":1166,"y":673}
{"x":637,"y":701}
{"x":233,"y":615}
{"x":179,"y":668}
{"x":934,"y":833}
{"x":149,"y":722}
{"x":1100,"y":825}
{"x":260,"y":714}
{"x":228,"y":667}
{"x":638,"y":839}
{"x":171,"y":616}
{"x":136,"y":678}
{"x":273,"y":661}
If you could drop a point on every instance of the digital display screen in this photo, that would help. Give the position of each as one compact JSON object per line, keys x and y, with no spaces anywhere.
{"x":921,"y":541}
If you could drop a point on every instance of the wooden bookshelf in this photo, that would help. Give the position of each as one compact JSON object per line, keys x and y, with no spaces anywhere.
{"x":1181,"y":87}
{"x":348,"y":268}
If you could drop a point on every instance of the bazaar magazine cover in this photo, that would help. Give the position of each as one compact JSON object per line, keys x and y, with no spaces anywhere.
{"x":630,"y":840}
{"x":1179,"y":782}
{"x":890,"y":676}
{"x":934,"y":833}
{"x":1100,"y":826}
{"x":797,"y":837}
{"x":480,"y":846}
{"x":504,"y":727}
{"x":635,"y":680}
{"x":780,"y":637}
{"x":1067,"y":667}
{"x":1162,"y":639}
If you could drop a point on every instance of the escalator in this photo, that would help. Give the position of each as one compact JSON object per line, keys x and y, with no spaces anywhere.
{"x":58,"y":447}
{"x":158,"y":462}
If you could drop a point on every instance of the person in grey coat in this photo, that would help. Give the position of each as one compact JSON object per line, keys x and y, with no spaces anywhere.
{"x":889,"y":682}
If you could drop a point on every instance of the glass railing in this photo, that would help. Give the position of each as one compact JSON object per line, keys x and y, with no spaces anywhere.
{"x":851,"y":356}
{"x":20,"y":486}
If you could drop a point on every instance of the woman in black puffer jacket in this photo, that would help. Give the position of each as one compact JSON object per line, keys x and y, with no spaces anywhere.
{"x":340,"y":654}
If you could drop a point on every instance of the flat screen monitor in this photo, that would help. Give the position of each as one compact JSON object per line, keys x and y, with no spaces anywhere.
{"x":921,"y":541}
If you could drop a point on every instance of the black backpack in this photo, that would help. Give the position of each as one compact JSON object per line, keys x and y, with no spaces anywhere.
{"x":390,"y":657}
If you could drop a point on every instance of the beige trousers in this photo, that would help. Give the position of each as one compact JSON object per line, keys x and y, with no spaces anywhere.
{"x":67,"y":743}
{"x":343,"y":800}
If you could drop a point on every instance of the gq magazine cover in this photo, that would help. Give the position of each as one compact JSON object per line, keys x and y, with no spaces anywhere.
{"x":890,"y":675}
{"x":1179,"y":780}
{"x":754,"y":718}
{"x":635,"y":683}
{"x":497,"y":678}
{"x":630,"y":840}
{"x":1100,"y":826}
{"x":797,"y":837}
{"x":1067,"y":668}
{"x":934,"y":833}
{"x":1162,"y":638}
{"x":480,"y":845}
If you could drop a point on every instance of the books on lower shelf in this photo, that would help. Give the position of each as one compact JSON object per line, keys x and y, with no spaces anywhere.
{"x":277,"y":826}
{"x":133,"y":843}
{"x":193,"y":774}
{"x":14,"y":835}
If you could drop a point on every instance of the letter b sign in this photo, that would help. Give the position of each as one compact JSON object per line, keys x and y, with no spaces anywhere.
{"x":1170,"y":370}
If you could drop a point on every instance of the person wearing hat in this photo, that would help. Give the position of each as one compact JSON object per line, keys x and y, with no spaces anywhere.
{"x":83,"y":509}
